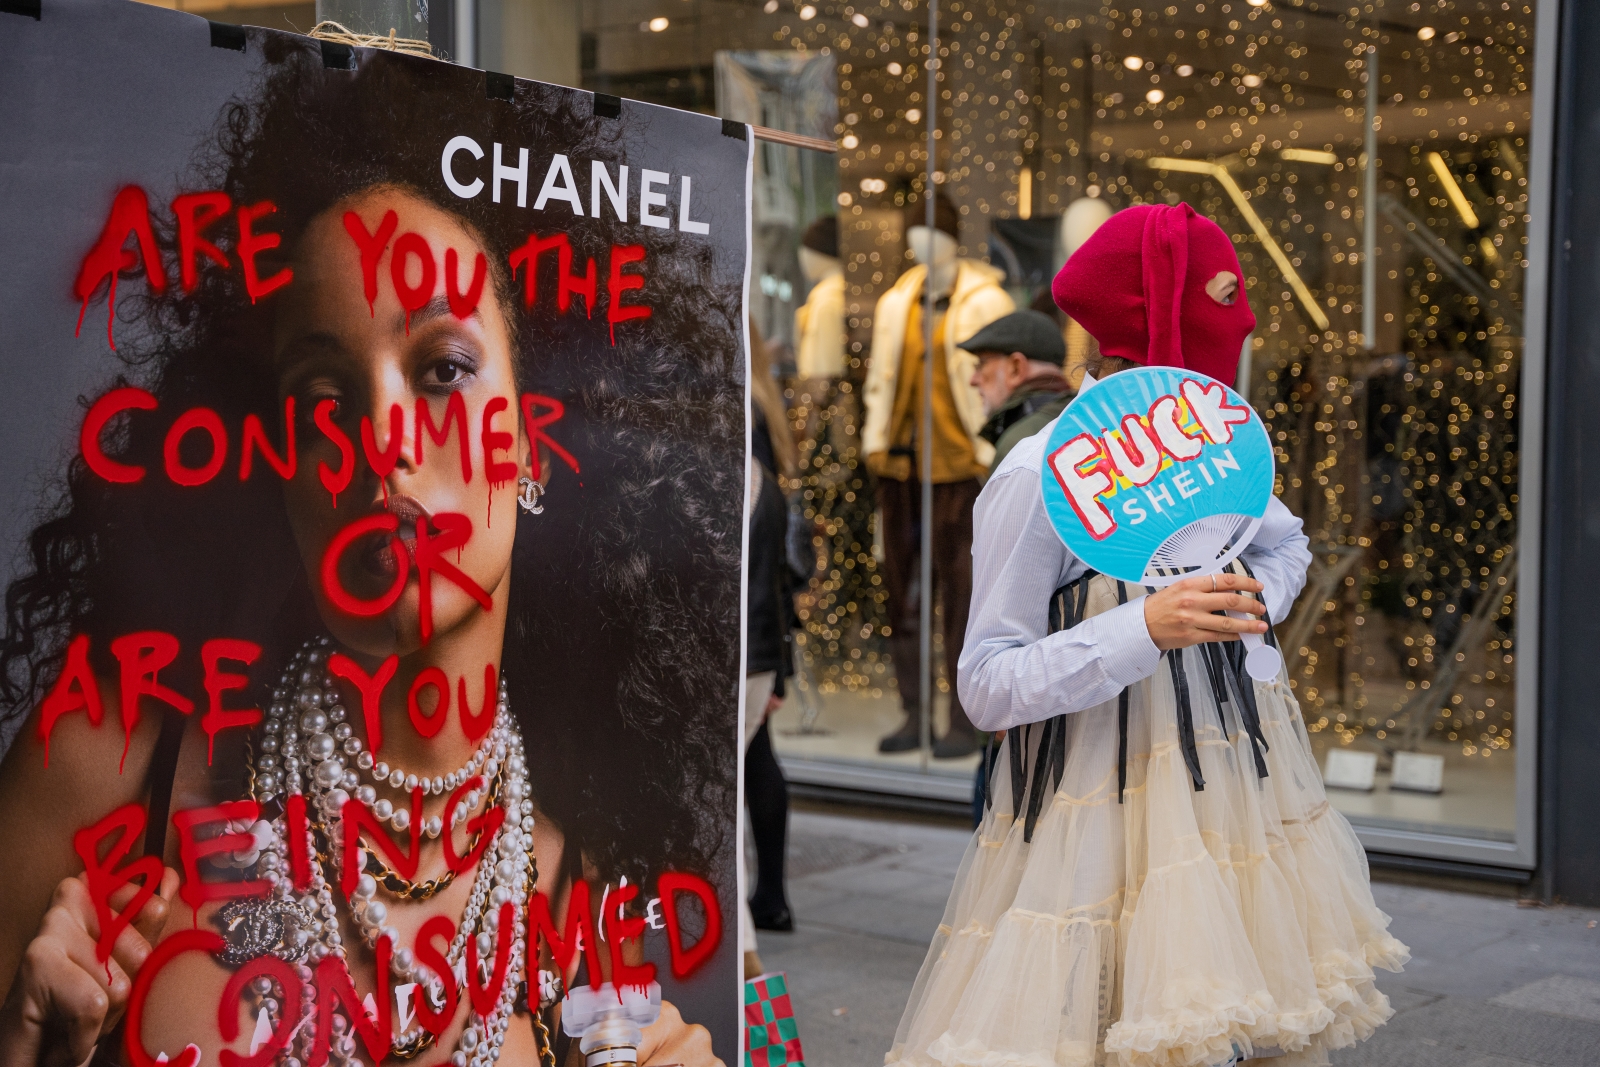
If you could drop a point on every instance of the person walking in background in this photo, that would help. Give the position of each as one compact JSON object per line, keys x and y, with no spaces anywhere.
{"x":769,"y":619}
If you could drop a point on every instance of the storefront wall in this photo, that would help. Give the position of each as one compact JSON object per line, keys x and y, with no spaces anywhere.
{"x":1569,"y":795}
{"x":1400,"y":358}
{"x":1392,"y":361}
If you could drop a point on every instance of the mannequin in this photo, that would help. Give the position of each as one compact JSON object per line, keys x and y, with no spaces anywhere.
{"x":819,"y":322}
{"x":966,"y":297}
{"x":818,"y":266}
{"x":940,"y":259}
{"x":1078,"y":223}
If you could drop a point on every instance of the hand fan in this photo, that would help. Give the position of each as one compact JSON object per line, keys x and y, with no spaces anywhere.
{"x":1157,"y":474}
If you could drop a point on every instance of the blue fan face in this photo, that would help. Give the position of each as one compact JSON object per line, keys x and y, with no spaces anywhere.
{"x":1144,"y":453}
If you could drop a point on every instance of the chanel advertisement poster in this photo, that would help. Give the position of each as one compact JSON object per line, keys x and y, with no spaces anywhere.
{"x":374,"y":456}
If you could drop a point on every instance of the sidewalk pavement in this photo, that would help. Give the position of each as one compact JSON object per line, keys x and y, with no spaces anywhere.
{"x":1490,"y":984}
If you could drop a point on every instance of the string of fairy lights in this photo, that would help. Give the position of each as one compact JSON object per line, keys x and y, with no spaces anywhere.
{"x":1401,"y":454}
{"x":843,"y":614}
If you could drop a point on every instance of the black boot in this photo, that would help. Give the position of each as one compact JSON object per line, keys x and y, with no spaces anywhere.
{"x":905,"y":739}
{"x":767,"y":795}
{"x":776,"y":918}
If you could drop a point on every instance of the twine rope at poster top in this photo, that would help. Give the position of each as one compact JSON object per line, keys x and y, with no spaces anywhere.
{"x":328,"y":30}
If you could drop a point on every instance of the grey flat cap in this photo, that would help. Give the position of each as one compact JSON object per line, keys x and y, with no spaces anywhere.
{"x":1033,"y":334}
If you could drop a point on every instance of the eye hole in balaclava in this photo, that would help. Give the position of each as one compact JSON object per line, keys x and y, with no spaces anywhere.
{"x":1224,"y":288}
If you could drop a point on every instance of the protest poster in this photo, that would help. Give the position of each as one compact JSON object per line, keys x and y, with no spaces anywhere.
{"x":375,"y":450}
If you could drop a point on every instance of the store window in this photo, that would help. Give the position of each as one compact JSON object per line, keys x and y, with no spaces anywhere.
{"x":1372,"y":165}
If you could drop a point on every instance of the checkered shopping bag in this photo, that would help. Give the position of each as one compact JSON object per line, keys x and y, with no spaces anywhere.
{"x":771,"y":1038}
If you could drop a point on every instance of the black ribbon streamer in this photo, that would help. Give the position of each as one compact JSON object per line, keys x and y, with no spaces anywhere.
{"x":1122,"y":718}
{"x":990,"y":761}
{"x":1058,"y":752}
{"x":1211,"y":654}
{"x":1016,"y":744}
{"x":1068,"y":605}
{"x":1041,"y":770}
{"x":1180,"y":687}
{"x":1266,"y":613}
{"x":1249,"y":715}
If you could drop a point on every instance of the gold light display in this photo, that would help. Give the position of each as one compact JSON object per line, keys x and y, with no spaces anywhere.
{"x":1399,"y":450}
{"x":843,"y":613}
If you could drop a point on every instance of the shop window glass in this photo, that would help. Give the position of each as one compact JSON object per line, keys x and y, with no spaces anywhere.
{"x":1389,"y":291}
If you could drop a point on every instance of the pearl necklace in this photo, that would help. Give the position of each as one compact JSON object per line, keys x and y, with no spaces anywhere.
{"x":322,"y":721}
{"x":297,"y":753}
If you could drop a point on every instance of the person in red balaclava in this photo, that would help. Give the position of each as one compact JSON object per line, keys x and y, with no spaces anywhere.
{"x":1159,"y":879}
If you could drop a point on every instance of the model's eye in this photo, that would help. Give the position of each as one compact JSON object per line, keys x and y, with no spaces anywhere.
{"x":310,"y":394}
{"x":1224,"y":288}
{"x":448,"y":373}
{"x":308,"y":400}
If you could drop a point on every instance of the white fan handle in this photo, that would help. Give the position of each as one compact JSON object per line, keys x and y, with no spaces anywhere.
{"x":1261,"y":661}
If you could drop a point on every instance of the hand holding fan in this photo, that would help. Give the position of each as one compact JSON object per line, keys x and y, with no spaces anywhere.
{"x":1157,"y":474}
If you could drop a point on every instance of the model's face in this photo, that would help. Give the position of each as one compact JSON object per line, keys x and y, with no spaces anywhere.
{"x":997,"y":377}
{"x":330,"y":345}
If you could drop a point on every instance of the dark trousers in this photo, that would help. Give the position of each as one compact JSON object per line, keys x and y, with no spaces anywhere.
{"x":766,"y":794}
{"x":952,"y":579}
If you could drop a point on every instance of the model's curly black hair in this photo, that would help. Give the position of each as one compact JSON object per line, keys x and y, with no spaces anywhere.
{"x":621,"y":652}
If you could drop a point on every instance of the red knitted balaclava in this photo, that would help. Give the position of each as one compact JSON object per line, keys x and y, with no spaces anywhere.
{"x":1138,"y":285}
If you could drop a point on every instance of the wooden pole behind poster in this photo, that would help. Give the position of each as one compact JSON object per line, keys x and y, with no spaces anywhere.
{"x":794,"y":140}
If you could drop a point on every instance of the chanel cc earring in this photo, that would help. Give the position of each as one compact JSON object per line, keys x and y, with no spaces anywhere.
{"x":528,"y":494}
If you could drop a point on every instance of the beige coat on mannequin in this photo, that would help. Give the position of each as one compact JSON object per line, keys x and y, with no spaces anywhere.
{"x":976,"y":300}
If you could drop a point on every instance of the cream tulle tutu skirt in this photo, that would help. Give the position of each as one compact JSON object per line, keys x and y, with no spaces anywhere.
{"x":1166,"y":928}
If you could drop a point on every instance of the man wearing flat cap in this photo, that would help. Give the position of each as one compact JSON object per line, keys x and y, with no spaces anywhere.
{"x":1020,"y":357}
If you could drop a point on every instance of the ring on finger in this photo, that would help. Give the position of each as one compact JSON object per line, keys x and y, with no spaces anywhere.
{"x":1213,"y":583}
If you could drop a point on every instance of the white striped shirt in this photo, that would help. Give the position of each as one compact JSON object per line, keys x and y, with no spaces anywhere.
{"x":1012,"y":671}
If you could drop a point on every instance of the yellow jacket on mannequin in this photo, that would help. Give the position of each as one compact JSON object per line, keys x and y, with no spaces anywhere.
{"x":976,"y":299}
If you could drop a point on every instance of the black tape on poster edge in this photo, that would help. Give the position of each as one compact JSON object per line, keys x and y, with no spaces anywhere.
{"x":33,"y":9}
{"x":224,"y":36}
{"x":737,"y":130}
{"x":499,"y":86}
{"x":338,"y":56}
{"x":607,"y":106}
